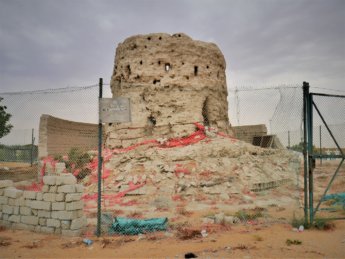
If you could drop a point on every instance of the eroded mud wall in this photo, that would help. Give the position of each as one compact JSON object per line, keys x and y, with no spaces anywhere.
{"x":172,"y":81}
{"x":58,"y":136}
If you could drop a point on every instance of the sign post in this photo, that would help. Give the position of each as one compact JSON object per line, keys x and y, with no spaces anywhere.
{"x":99,"y":163}
{"x":110,"y":110}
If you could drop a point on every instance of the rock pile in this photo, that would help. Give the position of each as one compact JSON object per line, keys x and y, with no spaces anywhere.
{"x":215,"y":169}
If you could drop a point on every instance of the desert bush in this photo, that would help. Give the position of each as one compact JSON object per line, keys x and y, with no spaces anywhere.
{"x":323,"y":224}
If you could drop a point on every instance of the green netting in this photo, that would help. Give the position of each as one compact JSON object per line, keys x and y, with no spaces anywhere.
{"x":128,"y":226}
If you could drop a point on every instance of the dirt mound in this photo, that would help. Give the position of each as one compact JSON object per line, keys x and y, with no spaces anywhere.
{"x":205,"y":167}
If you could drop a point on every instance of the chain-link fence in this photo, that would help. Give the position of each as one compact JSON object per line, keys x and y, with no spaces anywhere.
{"x":19,"y":148}
{"x":158,"y":183}
{"x":328,"y":146}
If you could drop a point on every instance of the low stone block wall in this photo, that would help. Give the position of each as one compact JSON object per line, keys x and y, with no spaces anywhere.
{"x":58,"y":208}
{"x":247,"y":132}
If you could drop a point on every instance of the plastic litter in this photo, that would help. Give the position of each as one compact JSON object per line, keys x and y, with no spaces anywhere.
{"x":204,"y":233}
{"x":87,"y":241}
{"x":301,"y":228}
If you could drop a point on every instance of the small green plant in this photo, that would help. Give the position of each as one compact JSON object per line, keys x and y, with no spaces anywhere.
{"x":296,"y":222}
{"x":78,"y":160}
{"x":59,"y":158}
{"x":251,"y":214}
{"x":323,"y":224}
{"x":290,"y":242}
{"x":183,"y":211}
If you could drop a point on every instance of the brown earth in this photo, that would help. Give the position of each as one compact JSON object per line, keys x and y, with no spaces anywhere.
{"x":262,"y":238}
{"x":18,"y":171}
{"x":241,"y":241}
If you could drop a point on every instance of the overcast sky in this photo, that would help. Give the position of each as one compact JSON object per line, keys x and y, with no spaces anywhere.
{"x":48,"y":44}
{"x":58,"y":43}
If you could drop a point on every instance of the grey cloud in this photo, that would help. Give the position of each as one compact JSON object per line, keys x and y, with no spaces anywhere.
{"x":74,"y":41}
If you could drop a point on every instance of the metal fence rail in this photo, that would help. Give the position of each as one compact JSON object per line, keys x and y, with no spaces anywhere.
{"x":322,"y":108}
{"x":149,"y":180}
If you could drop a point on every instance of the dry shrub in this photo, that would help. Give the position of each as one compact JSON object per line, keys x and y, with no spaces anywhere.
{"x":240,"y":247}
{"x":250,"y":214}
{"x":324,"y":224}
{"x":214,"y":228}
{"x":33,"y":244}
{"x":5,"y":241}
{"x":135,"y":215}
{"x":183,"y":211}
{"x":72,"y":244}
{"x":185,"y":233}
{"x":117,"y":213}
{"x":105,"y":242}
{"x":154,"y":236}
{"x":258,"y":238}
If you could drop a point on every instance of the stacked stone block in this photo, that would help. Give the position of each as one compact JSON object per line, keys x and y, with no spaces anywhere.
{"x":248,"y":132}
{"x":58,"y":208}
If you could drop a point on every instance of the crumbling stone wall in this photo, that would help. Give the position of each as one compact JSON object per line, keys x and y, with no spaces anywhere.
{"x":58,"y":136}
{"x":58,"y":208}
{"x":172,"y":81}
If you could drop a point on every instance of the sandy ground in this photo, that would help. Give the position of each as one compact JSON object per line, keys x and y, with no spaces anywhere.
{"x":258,"y":241}
{"x":18,"y":171}
{"x":264,"y":238}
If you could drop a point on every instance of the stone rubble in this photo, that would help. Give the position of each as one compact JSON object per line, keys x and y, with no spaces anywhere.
{"x":213,"y":170}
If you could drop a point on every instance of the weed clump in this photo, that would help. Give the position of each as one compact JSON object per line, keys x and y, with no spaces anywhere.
{"x":76,"y":162}
{"x":251,"y":214}
{"x":296,"y":222}
{"x":290,"y":242}
{"x":323,"y":224}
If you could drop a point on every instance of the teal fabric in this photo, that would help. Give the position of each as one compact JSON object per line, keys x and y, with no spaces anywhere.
{"x":128,"y":226}
{"x":339,"y":198}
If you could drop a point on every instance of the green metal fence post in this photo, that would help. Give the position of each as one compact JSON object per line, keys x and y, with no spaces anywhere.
{"x":99,"y":180}
{"x":320,"y":147}
{"x":310,"y":158}
{"x":32,"y":148}
{"x":305,"y":141}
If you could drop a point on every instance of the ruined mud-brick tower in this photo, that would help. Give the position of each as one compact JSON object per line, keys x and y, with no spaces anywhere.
{"x":172,"y":81}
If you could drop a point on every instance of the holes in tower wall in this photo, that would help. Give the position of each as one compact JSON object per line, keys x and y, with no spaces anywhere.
{"x":204,"y":112}
{"x":128,"y":70}
{"x":195,"y":70}
{"x":167,"y":67}
{"x":151,"y":120}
